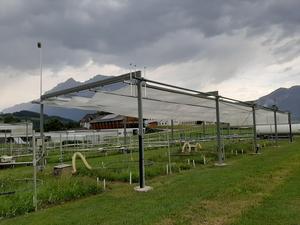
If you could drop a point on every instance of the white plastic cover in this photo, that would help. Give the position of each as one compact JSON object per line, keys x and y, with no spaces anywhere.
{"x":165,"y":105}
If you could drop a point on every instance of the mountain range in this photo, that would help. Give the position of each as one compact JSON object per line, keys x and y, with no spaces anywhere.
{"x":287,"y":99}
{"x":73,"y":114}
{"x":51,"y":122}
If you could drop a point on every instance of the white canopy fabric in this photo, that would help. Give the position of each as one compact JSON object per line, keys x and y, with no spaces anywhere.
{"x":165,"y":105}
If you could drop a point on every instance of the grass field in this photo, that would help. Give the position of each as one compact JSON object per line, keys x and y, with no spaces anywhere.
{"x":16,"y":187}
{"x":113,"y":167}
{"x":252,"y":189}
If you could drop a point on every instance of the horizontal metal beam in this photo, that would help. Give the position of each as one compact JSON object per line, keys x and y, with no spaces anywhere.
{"x":235,"y":101}
{"x":211,"y":96}
{"x":15,"y":163}
{"x":270,"y":109}
{"x":176,"y":87}
{"x":213,"y":93}
{"x":264,"y":107}
{"x":198,"y":93}
{"x":177,"y":92}
{"x":91,"y":85}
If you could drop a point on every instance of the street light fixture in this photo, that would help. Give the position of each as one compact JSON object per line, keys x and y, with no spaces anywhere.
{"x":39,"y":45}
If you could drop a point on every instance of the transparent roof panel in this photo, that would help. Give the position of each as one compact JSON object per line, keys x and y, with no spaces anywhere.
{"x":164,"y":104}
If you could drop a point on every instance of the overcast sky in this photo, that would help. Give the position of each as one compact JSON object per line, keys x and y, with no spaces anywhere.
{"x":243,"y":48}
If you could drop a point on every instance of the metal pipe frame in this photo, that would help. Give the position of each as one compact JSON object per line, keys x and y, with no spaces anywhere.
{"x":270,"y":109}
{"x":211,"y":96}
{"x":219,"y":148}
{"x":141,"y":136}
{"x":125,"y":131}
{"x":275,"y":123}
{"x":180,"y":91}
{"x":201,"y":94}
{"x":290,"y":127}
{"x":172,"y":132}
{"x":254,"y":129}
{"x":27,"y":146}
{"x":34,"y":161}
{"x":205,"y":95}
{"x":96,"y":84}
{"x":42,"y":163}
{"x":137,"y":76}
{"x":140,"y":82}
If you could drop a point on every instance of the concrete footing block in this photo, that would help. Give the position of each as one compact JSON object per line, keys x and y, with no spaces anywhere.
{"x":144,"y":189}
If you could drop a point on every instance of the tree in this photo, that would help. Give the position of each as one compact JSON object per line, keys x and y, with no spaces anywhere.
{"x":53,"y":124}
{"x":10,"y":119}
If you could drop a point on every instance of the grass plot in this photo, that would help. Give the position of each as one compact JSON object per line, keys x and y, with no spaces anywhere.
{"x":253,"y":189}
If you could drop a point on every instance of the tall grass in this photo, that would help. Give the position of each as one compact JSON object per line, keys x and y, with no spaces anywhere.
{"x":52,"y":191}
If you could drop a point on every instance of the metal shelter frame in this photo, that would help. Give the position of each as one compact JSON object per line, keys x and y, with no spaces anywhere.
{"x":137,"y":79}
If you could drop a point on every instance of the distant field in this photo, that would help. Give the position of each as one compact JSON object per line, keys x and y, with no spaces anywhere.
{"x":252,"y":189}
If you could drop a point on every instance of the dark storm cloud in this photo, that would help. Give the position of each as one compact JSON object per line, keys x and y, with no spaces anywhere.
{"x":152,"y":32}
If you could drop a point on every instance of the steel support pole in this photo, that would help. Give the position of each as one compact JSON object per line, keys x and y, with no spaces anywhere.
{"x":290,"y":127}
{"x":125,"y":131}
{"x":60,"y":149}
{"x":5,"y":137}
{"x":42,"y":133}
{"x":275,"y":124}
{"x":10,"y":145}
{"x":254,"y":130}
{"x":141,"y":135}
{"x":169,"y":153}
{"x":172,"y":132}
{"x":27,"y":147}
{"x":34,"y":172}
{"x":219,"y":147}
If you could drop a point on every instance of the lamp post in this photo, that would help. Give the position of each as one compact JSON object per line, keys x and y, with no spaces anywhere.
{"x":39,"y":45}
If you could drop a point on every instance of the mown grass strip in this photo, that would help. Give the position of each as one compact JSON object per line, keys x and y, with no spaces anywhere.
{"x":227,"y":206}
{"x":282,"y":207}
{"x":172,"y":195}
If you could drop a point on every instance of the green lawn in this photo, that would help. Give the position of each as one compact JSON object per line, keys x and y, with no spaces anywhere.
{"x":252,"y":189}
{"x":114,"y":166}
{"x":281,"y":207}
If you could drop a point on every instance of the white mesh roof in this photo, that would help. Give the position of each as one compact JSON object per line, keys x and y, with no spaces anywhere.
{"x":164,"y":105}
{"x":264,"y":116}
